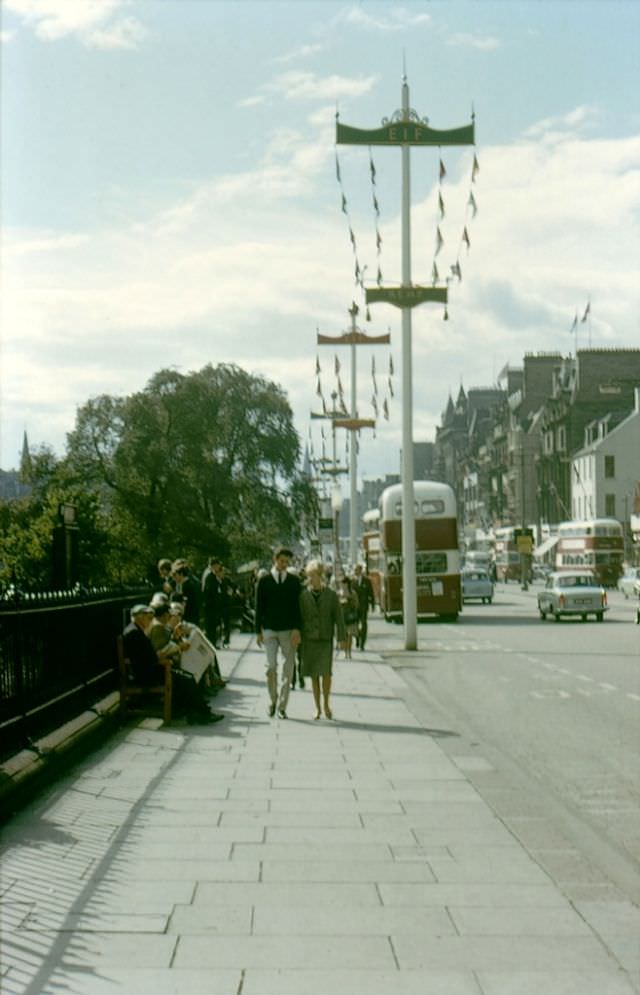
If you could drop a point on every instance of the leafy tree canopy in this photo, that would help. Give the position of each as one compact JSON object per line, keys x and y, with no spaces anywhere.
{"x":195,"y":464}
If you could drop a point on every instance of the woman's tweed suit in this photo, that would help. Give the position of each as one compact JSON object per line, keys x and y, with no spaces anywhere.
{"x":321,"y":617}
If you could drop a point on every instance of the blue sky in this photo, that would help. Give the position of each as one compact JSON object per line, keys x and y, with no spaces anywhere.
{"x":169,"y":195}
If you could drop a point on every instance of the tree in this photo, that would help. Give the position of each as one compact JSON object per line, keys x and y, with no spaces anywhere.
{"x":27,"y":526}
{"x":196,"y":464}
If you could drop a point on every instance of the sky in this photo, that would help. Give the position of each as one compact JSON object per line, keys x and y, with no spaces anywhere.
{"x":170,"y":198}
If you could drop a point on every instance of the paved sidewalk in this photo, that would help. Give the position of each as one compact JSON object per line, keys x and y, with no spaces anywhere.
{"x":288,"y":857}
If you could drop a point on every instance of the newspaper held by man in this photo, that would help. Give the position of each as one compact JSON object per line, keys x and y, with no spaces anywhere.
{"x":201,"y":654}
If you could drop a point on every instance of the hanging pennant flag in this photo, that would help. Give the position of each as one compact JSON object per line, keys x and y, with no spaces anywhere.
{"x":376,"y":206}
{"x":465,"y":239}
{"x":357,"y":271}
{"x":318,"y":371}
{"x":324,"y":411}
{"x":440,"y":205}
{"x":475,"y":170}
{"x":338,"y":176}
{"x":391,"y":365}
{"x":319,"y":388}
{"x":439,"y":240}
{"x":385,"y":409}
{"x":379,"y":277}
{"x":575,"y":322}
{"x":455,"y":269}
{"x":340,"y":387}
{"x":391,"y":387}
{"x":352,"y":237}
{"x":587,"y":312}
{"x":374,"y":404}
{"x":372,"y":169}
{"x":322,"y":433}
{"x":472,"y":204}
{"x":443,"y":171}
{"x":378,"y":241}
{"x":344,"y":204}
{"x":336,"y":365}
{"x":435,"y":276}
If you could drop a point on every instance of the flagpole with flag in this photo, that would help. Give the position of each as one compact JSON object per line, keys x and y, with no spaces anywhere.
{"x":574,"y":330}
{"x":587,"y":314}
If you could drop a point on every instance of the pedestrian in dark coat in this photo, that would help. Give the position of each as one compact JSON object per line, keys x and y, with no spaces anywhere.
{"x":321,"y":619}
{"x":278,"y":627}
{"x":364,"y":591}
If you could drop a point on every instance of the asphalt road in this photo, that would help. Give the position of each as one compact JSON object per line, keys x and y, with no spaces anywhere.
{"x":552,"y":713}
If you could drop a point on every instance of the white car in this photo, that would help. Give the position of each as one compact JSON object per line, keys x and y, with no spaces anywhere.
{"x":629,"y":583}
{"x":572,"y":592}
{"x":476,"y":585}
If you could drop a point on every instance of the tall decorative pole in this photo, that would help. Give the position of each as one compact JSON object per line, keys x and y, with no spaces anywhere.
{"x":406,"y":129}
{"x":352,"y":423}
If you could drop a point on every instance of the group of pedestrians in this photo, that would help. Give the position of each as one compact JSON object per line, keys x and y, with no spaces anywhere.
{"x":301,"y":616}
{"x":306,"y":619}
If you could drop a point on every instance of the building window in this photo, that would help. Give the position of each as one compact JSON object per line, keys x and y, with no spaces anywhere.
{"x":610,"y":505}
{"x":609,"y":467}
{"x":561,"y":440}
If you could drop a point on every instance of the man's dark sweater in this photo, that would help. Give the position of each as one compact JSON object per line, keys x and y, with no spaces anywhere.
{"x":278,"y":604}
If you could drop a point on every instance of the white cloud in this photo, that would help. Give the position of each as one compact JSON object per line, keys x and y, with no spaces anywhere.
{"x":394,"y":19}
{"x":300,"y":85}
{"x":203,"y":280}
{"x":485,"y":43}
{"x":6,"y":37}
{"x":562,"y":126}
{"x":302,"y":52}
{"x":94,"y":23}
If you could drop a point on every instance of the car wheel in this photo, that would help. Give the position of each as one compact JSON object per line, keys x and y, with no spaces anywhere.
{"x":543,"y":615}
{"x":556,"y":616}
{"x":583,"y":618}
{"x":599,"y":616}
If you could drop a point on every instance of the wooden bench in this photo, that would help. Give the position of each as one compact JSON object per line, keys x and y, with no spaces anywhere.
{"x":131,"y":692}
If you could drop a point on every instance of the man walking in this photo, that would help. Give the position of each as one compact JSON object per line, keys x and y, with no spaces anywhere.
{"x":364,"y":590}
{"x":278,"y":625}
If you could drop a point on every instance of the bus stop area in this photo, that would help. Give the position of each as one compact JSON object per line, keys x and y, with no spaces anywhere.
{"x":267,"y":856}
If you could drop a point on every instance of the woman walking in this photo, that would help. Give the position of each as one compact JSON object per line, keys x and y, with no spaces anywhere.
{"x":321,"y":618}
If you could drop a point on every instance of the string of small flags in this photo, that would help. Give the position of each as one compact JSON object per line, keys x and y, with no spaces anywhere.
{"x":376,"y":212}
{"x":358,"y":270}
{"x":471,"y":209}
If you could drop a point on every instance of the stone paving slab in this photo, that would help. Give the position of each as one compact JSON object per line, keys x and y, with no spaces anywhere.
{"x":345,"y":982}
{"x":306,"y":953}
{"x":263,"y":856}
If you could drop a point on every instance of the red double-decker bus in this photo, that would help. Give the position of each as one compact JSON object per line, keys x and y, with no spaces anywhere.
{"x":438,"y":585}
{"x":596,"y":544}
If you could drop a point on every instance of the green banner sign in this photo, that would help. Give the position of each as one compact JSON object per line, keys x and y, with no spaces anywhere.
{"x":405,"y":133}
{"x":406,"y":296}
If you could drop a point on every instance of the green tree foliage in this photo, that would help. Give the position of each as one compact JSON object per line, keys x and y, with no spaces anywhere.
{"x":196,"y":464}
{"x":27,"y":525}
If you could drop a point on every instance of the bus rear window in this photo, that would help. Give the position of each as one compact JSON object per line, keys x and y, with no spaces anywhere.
{"x":431,"y":563}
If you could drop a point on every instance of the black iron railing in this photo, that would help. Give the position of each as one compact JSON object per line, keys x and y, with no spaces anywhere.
{"x":57,"y":657}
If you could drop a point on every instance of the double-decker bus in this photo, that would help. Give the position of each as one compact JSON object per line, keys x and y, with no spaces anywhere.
{"x":595,"y":544}
{"x":438,"y":586}
{"x":508,"y":563}
{"x":372,"y":550}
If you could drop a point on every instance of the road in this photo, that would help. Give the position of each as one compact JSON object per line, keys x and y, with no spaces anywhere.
{"x":547,"y":716}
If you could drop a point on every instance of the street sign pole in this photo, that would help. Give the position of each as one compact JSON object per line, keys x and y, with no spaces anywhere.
{"x":406,"y":129}
{"x":409,"y":598}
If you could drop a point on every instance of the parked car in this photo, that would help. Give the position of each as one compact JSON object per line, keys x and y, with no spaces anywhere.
{"x":629,"y":583}
{"x":575,"y":592}
{"x":477,"y":586}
